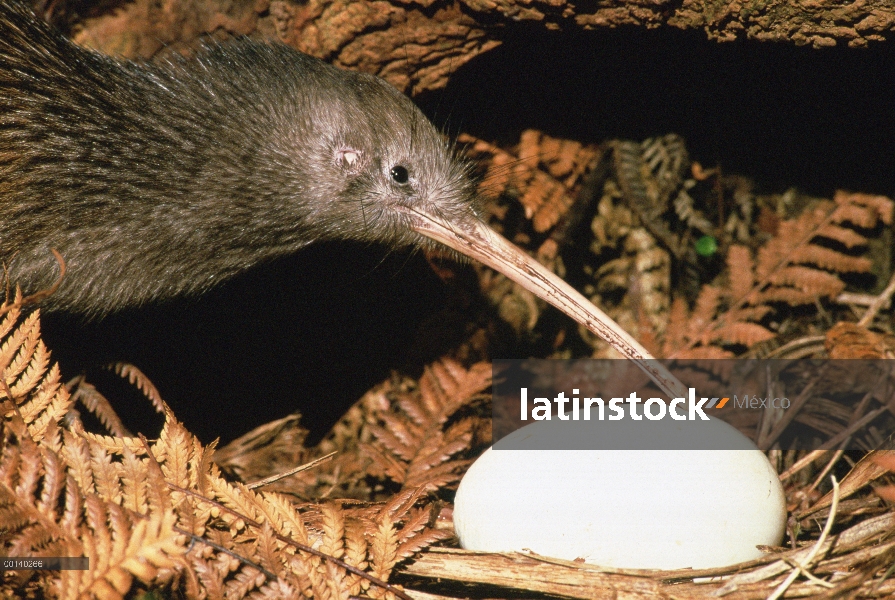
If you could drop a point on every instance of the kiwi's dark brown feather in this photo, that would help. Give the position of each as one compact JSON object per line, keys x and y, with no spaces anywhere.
{"x":157,"y":180}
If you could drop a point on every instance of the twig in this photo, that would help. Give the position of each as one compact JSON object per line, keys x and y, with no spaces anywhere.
{"x":881,"y":301}
{"x":803,"y":565}
{"x":798,"y":348}
{"x":802,"y":463}
{"x":809,"y":575}
{"x":882,"y":579}
{"x":830,"y":464}
{"x":836,"y":439}
{"x":791,"y":413}
{"x":855,"y":417}
{"x":298,"y":469}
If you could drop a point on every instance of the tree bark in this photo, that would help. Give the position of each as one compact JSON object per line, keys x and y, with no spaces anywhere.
{"x":416,"y":45}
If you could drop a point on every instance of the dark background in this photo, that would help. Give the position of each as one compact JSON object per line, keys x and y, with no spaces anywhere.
{"x":314,"y":331}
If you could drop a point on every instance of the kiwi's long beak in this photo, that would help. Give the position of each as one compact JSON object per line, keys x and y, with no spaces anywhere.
{"x":477,"y":240}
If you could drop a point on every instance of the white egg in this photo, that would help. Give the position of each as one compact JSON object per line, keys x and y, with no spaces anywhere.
{"x":648,"y":509}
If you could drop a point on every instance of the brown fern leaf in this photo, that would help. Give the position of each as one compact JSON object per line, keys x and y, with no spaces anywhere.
{"x":704,"y":311}
{"x":684,"y":323}
{"x":430,"y":467}
{"x":53,"y":484}
{"x":106,"y":474}
{"x":707,"y":328}
{"x":747,"y":334}
{"x":211,"y":575}
{"x":825,"y":258}
{"x":856,"y":215}
{"x":76,"y":454}
{"x":238,"y":498}
{"x":844,"y":235}
{"x":545,"y":201}
{"x":136,"y":377}
{"x":543,"y":173}
{"x":849,"y":340}
{"x":411,"y":442}
{"x":28,"y":507}
{"x":29,"y":366}
{"x":133,"y":508}
{"x":453,"y":385}
{"x":400,"y":529}
{"x":704,"y":352}
{"x":112,"y":444}
{"x":98,"y":405}
{"x":414,"y":521}
{"x":244,"y":581}
{"x":789,"y":269}
{"x":397,"y":506}
{"x":333,"y":544}
{"x":401,"y":435}
{"x":385,"y":431}
{"x":809,"y":281}
{"x":355,"y":555}
{"x":385,"y":463}
{"x":676,"y":330}
{"x":18,"y":348}
{"x":420,"y":542}
{"x":310,"y":577}
{"x":791,"y":245}
{"x":384,"y":548}
{"x":333,"y":530}
{"x":174,"y":450}
{"x":268,"y":549}
{"x":120,"y":547}
{"x":882,"y":205}
{"x":416,"y":534}
{"x":92,"y":523}
{"x":48,"y":403}
{"x":24,"y":361}
{"x":790,"y":235}
{"x":275,"y":590}
{"x":755,"y":313}
{"x":134,"y":482}
{"x":12,"y":313}
{"x":740,"y":267}
{"x":499,"y":174}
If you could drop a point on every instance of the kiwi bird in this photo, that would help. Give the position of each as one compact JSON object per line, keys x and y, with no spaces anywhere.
{"x":157,"y":180}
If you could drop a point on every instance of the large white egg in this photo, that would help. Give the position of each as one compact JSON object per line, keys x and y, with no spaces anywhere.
{"x":648,"y":509}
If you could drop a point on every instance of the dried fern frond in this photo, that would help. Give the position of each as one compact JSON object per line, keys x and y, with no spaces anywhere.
{"x":792,"y":268}
{"x":542,"y":172}
{"x":136,"y":377}
{"x":404,"y":431}
{"x":39,"y":398}
{"x":88,"y":396}
{"x":412,"y":447}
{"x":648,"y":173}
{"x":161,"y":514}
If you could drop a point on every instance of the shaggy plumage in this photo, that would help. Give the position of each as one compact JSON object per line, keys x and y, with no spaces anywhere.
{"x":158,"y":180}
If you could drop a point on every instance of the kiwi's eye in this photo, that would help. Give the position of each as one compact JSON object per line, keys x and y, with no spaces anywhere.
{"x":399,"y":174}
